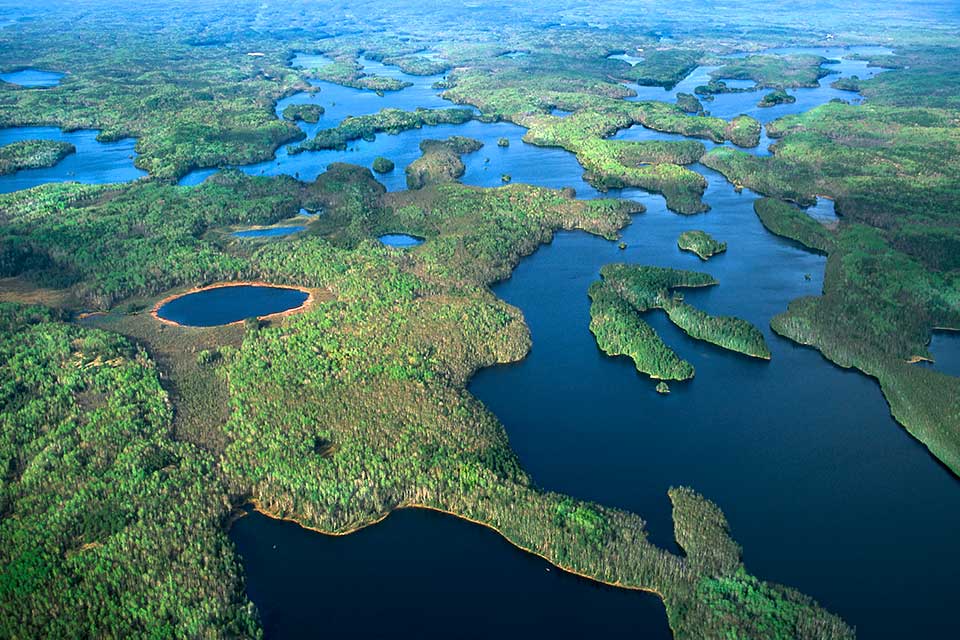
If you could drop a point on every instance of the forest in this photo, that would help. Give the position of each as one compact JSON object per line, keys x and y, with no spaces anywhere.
{"x":32,"y":154}
{"x":645,"y":288}
{"x":701,"y":243}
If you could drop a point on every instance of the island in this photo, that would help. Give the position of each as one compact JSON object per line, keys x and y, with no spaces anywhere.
{"x":304,"y":112}
{"x":700,"y":243}
{"x":775,"y":97}
{"x":33,"y":154}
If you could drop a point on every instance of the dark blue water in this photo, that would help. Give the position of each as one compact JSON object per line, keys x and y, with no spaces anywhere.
{"x":425,"y":575}
{"x":820,"y":485}
{"x":400,"y":240}
{"x":223,"y":305}
{"x":269,"y":232}
{"x":32,"y":78}
{"x":525,"y":162}
{"x":93,"y":163}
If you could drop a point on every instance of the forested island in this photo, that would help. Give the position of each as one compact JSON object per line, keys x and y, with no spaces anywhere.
{"x":32,"y":154}
{"x":700,"y":243}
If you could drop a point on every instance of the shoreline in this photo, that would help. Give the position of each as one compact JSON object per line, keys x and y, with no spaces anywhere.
{"x":258,"y":507}
{"x":312,"y":295}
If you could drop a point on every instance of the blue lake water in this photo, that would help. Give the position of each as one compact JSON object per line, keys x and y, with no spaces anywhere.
{"x":421,"y":574}
{"x":400,"y":240}
{"x":341,"y":102}
{"x":223,"y":305}
{"x":32,"y":78}
{"x":269,"y":232}
{"x":823,"y":211}
{"x":93,"y":163}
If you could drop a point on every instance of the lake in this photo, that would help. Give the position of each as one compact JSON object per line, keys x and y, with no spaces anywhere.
{"x":93,"y":163}
{"x":400,"y":240}
{"x":421,"y":574}
{"x":223,"y":305}
{"x":269,"y":232}
{"x":32,"y":78}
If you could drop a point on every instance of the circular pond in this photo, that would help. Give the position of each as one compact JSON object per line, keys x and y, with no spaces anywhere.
{"x":231,"y":303}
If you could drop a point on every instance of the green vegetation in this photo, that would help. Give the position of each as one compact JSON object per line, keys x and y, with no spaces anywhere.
{"x":503,"y":142}
{"x":790,"y":221}
{"x":646,"y":288}
{"x":189,"y":106}
{"x":700,"y":243}
{"x":662,"y":67}
{"x":689,"y":103}
{"x":110,"y":243}
{"x":775,"y":97}
{"x":349,"y":72}
{"x":357,"y":407}
{"x":620,"y":331}
{"x":116,"y":488}
{"x":440,"y":161}
{"x":33,"y":154}
{"x":653,"y":165}
{"x":730,"y":333}
{"x":775,"y":71}
{"x":598,"y":112}
{"x":102,"y":509}
{"x":716,"y":87}
{"x":892,"y":263}
{"x":416,"y":65}
{"x":847,"y":84}
{"x":662,"y":388}
{"x":383,"y":165}
{"x":306,"y":112}
{"x":743,"y":131}
{"x":390,"y":121}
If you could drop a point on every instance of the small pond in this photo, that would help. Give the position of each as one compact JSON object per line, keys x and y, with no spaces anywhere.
{"x":269,"y":232}
{"x":223,"y":305}
{"x":32,"y":78}
{"x":400,"y":240}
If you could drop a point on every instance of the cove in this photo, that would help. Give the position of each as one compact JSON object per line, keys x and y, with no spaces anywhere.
{"x":232,"y":303}
{"x":945,"y":348}
{"x":421,"y":574}
{"x":94,"y":162}
{"x":632,"y":60}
